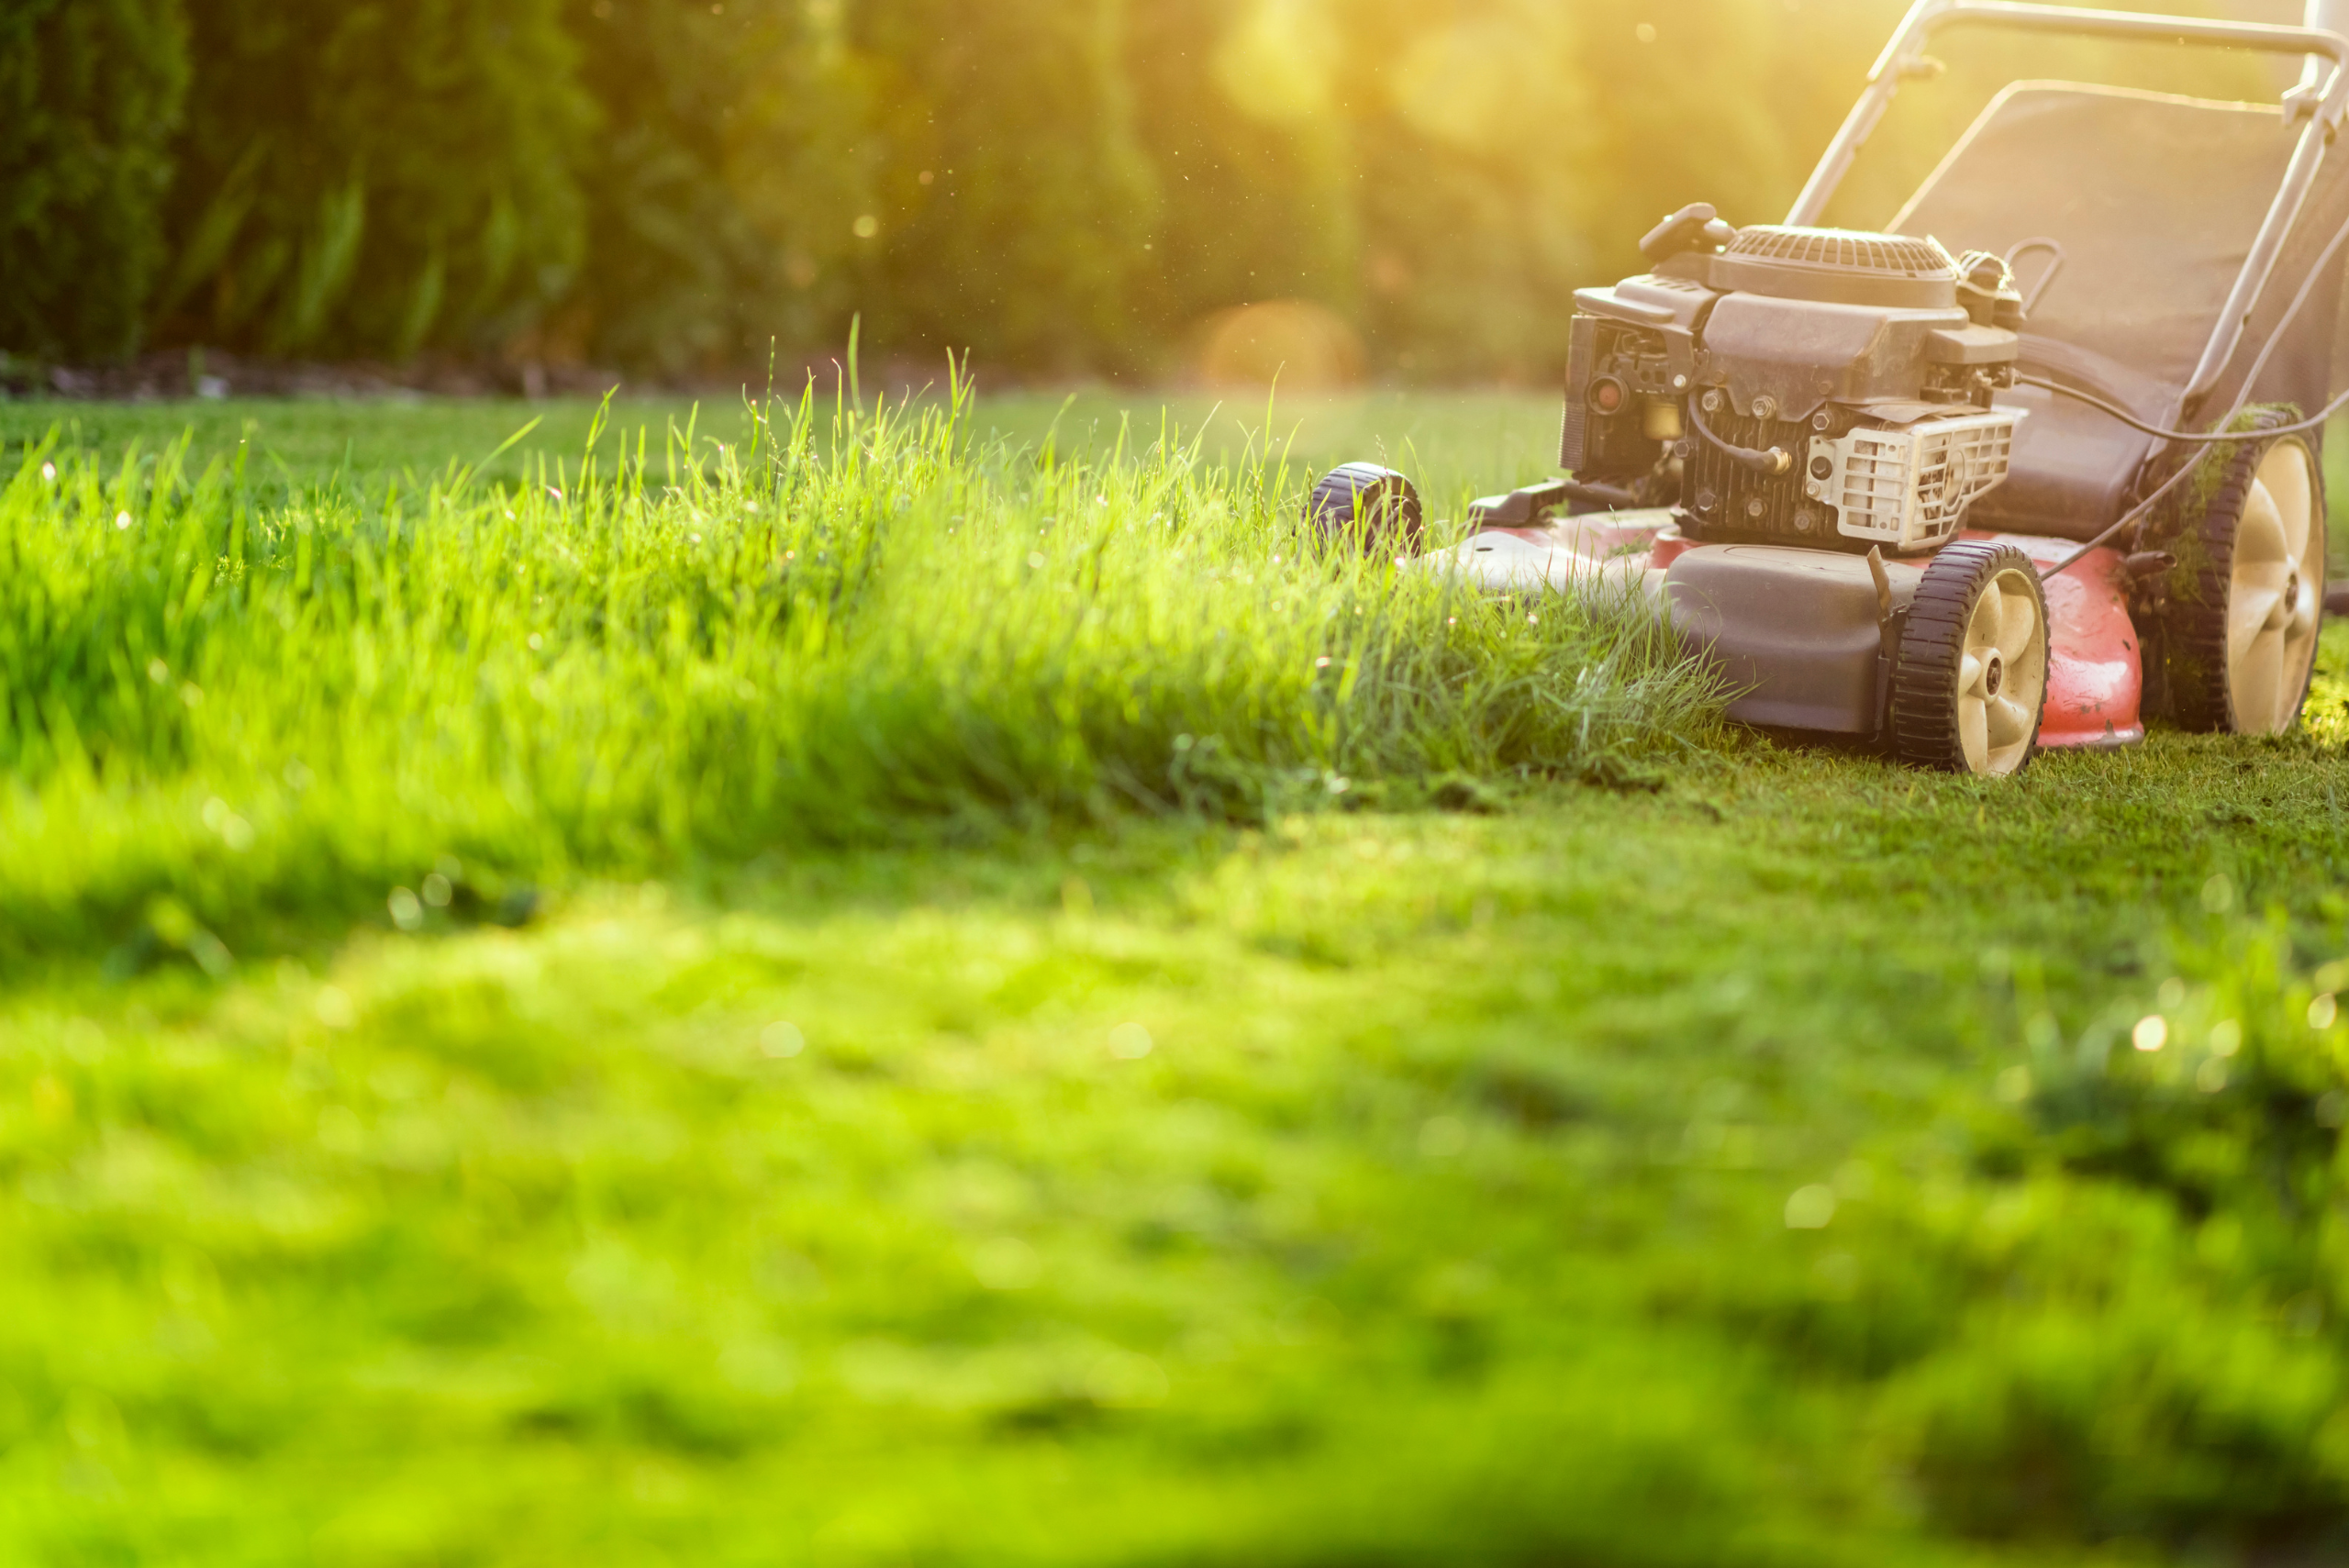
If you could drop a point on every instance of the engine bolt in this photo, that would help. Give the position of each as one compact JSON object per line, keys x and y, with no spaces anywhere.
{"x":1712,"y":401}
{"x":1766,"y":408}
{"x":1822,"y":467}
{"x":1820,"y":420}
{"x":1753,"y":507}
{"x":1706,"y":500}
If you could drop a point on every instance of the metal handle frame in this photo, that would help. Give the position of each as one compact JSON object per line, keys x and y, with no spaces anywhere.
{"x":1905,"y":57}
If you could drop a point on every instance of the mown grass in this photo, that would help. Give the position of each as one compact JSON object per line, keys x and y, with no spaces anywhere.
{"x":1455,"y":444}
{"x":1756,"y":1168}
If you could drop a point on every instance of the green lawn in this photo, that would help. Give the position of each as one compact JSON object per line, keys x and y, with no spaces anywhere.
{"x":1456,"y":445}
{"x":945,"y":1058}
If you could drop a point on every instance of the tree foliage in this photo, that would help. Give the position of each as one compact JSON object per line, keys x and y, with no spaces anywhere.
{"x":1060,"y":186}
{"x":90,"y":94}
{"x":374,"y":178}
{"x":724,"y":190}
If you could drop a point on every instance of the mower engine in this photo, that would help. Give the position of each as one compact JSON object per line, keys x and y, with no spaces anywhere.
{"x":1799,"y":386}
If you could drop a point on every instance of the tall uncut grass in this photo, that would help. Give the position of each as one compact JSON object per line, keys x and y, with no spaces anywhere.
{"x":222,"y":704}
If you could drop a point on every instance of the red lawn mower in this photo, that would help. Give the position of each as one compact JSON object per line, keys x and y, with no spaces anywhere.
{"x":1968,"y":503}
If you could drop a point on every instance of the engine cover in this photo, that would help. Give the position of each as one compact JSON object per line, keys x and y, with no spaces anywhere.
{"x":1817,"y":387}
{"x":1837,"y":266}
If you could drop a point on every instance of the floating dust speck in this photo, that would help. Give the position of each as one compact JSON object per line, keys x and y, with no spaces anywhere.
{"x":1441,"y":1137}
{"x":340,"y":1130}
{"x":1836,"y":1276}
{"x":1005,"y":1262}
{"x":333,"y":1006}
{"x":1810,"y":1208}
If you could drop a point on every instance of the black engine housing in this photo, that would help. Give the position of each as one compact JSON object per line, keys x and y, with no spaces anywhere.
{"x":1727,"y":501}
{"x":1780,"y":342}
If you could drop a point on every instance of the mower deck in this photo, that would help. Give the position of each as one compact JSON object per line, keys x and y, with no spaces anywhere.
{"x":1801,"y":632}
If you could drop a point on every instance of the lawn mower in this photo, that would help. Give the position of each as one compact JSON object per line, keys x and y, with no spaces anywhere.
{"x":2040,"y":461}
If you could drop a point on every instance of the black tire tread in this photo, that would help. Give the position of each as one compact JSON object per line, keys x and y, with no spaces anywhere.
{"x":2194,"y":623}
{"x":1923,"y":720}
{"x":1373,"y":508}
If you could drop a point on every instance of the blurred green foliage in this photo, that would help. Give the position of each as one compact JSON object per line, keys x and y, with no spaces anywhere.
{"x":370,"y":178}
{"x":1060,"y":186}
{"x":724,"y":183}
{"x":1758,"y":1171}
{"x":90,"y":96}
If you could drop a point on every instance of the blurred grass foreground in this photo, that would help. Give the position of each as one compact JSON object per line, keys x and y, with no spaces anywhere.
{"x":875,"y":986}
{"x":865,"y":993}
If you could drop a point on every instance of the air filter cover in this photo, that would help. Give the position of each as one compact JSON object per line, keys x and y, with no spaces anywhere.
{"x":1839,"y":266}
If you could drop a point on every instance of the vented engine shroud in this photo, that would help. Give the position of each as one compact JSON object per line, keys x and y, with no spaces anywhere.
{"x":1870,"y":359}
{"x":1907,"y":487}
{"x":1837,"y":266}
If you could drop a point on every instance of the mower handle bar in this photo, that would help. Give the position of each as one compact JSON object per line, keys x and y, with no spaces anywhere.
{"x":1904,"y":57}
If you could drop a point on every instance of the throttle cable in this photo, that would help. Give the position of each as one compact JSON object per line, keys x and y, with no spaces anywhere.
{"x":2196,"y":437}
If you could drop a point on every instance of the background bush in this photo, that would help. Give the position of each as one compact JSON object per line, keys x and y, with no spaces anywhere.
{"x":374,"y":178}
{"x":725,"y":186}
{"x":90,"y":94}
{"x":1060,"y":187}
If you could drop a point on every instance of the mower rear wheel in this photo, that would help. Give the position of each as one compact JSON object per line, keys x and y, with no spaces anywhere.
{"x":2248,"y":590}
{"x":1971,"y":679}
{"x":1370,"y":508}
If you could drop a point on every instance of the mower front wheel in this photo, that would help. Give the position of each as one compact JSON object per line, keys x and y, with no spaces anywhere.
{"x":1971,"y":680}
{"x":1365,"y":508}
